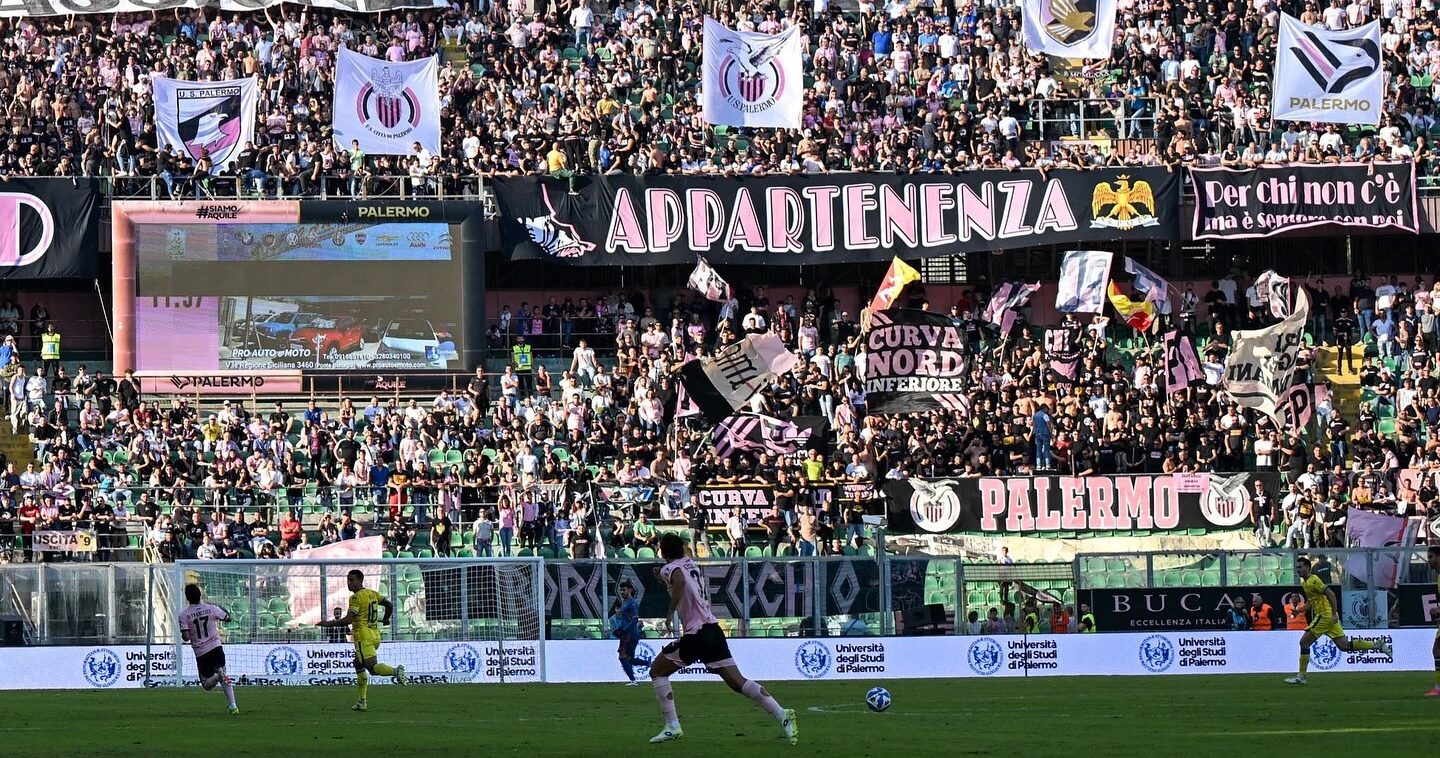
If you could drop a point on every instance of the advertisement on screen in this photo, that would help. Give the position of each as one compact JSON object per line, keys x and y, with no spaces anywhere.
{"x":246,"y":332}
{"x":319,"y":286}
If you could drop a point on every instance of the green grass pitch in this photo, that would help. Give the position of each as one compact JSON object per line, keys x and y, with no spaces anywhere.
{"x":1192,"y":716}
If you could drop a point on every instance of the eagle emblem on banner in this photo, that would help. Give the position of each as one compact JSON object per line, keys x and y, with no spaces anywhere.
{"x":1069,"y":21}
{"x":1123,"y":205}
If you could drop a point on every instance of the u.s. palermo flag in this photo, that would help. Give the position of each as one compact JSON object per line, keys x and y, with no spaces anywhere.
{"x":198,"y":118}
{"x":1070,"y":28}
{"x":1334,"y":77}
{"x":387,"y":106}
{"x":751,"y":79}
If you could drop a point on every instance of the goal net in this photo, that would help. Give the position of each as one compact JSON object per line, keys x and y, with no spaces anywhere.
{"x":461,"y":620}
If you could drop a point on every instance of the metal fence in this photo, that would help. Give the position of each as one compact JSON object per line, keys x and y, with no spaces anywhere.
{"x":74,"y":604}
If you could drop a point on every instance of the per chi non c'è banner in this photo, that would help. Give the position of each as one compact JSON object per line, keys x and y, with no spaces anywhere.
{"x":1264,"y":202}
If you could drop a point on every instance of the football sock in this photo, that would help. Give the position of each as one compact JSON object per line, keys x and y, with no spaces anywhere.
{"x":666,"y":699}
{"x":362,"y":681}
{"x":229,"y":691}
{"x":1304,"y":663}
{"x":384,"y":669}
{"x":1362,"y":645}
{"x":629,"y":665}
{"x":1437,"y":671}
{"x":754,"y":691}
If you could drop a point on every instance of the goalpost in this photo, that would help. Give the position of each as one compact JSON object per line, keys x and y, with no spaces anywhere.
{"x":455,"y":620}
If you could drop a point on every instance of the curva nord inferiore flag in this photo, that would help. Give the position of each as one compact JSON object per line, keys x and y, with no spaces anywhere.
{"x":387,"y":106}
{"x":1070,"y":28}
{"x":916,"y":362}
{"x":1330,"y":76}
{"x":196,"y":118}
{"x":752,"y":79}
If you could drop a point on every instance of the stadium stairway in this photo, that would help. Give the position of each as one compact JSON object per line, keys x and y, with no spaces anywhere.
{"x":1345,"y":387}
{"x":453,"y":53}
{"x":16,"y":448}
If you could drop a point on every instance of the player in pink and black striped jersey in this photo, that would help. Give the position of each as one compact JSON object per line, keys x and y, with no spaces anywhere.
{"x":701,"y":640}
{"x":200,"y":626}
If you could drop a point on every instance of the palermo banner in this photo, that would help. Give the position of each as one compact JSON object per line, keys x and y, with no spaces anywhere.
{"x":1264,"y":202}
{"x":829,"y":218}
{"x":1332,"y":76}
{"x":1052,"y":504}
{"x":49,"y":228}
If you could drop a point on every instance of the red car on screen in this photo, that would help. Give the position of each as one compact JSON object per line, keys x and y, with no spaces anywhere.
{"x":335,"y":337}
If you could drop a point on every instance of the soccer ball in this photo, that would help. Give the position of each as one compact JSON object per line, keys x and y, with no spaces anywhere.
{"x":878,"y":698}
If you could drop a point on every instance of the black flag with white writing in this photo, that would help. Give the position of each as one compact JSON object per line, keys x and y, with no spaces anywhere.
{"x":719,"y":385}
{"x":915,"y":362}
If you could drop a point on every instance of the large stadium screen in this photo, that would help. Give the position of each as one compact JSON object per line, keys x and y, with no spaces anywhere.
{"x":314,"y":292}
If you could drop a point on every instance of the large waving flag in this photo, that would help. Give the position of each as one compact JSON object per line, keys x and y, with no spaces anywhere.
{"x":387,"y":106}
{"x":1070,"y":28}
{"x":1261,"y":362}
{"x":755,"y":432}
{"x":205,"y":117}
{"x":719,"y":385}
{"x":1139,"y":315}
{"x":1335,"y":77}
{"x":1083,"y":274}
{"x":899,"y":275}
{"x":708,"y":282}
{"x":1155,"y":287}
{"x":752,"y":79}
{"x":1182,"y":364}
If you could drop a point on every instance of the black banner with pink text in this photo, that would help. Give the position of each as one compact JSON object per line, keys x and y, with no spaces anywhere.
{"x":1263,"y":202}
{"x":828,"y":218}
{"x":1049,"y":505}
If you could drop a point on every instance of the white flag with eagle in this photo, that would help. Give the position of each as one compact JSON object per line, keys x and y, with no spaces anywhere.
{"x":1070,"y":28}
{"x":386,"y":106}
{"x":205,"y":118}
{"x":752,"y":79}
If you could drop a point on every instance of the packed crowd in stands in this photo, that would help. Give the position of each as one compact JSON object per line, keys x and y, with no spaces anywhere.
{"x":572,"y":458}
{"x":576,"y":87}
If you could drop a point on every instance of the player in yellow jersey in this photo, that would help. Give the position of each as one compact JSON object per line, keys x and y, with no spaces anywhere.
{"x":364,"y":620}
{"x":1432,"y":556}
{"x":1324,"y":621}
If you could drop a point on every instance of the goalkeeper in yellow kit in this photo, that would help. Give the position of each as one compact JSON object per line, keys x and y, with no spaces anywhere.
{"x":365,"y":621}
{"x":1324,"y":621}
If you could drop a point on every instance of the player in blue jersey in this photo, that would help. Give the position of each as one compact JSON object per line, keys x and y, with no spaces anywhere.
{"x":625,"y":625}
